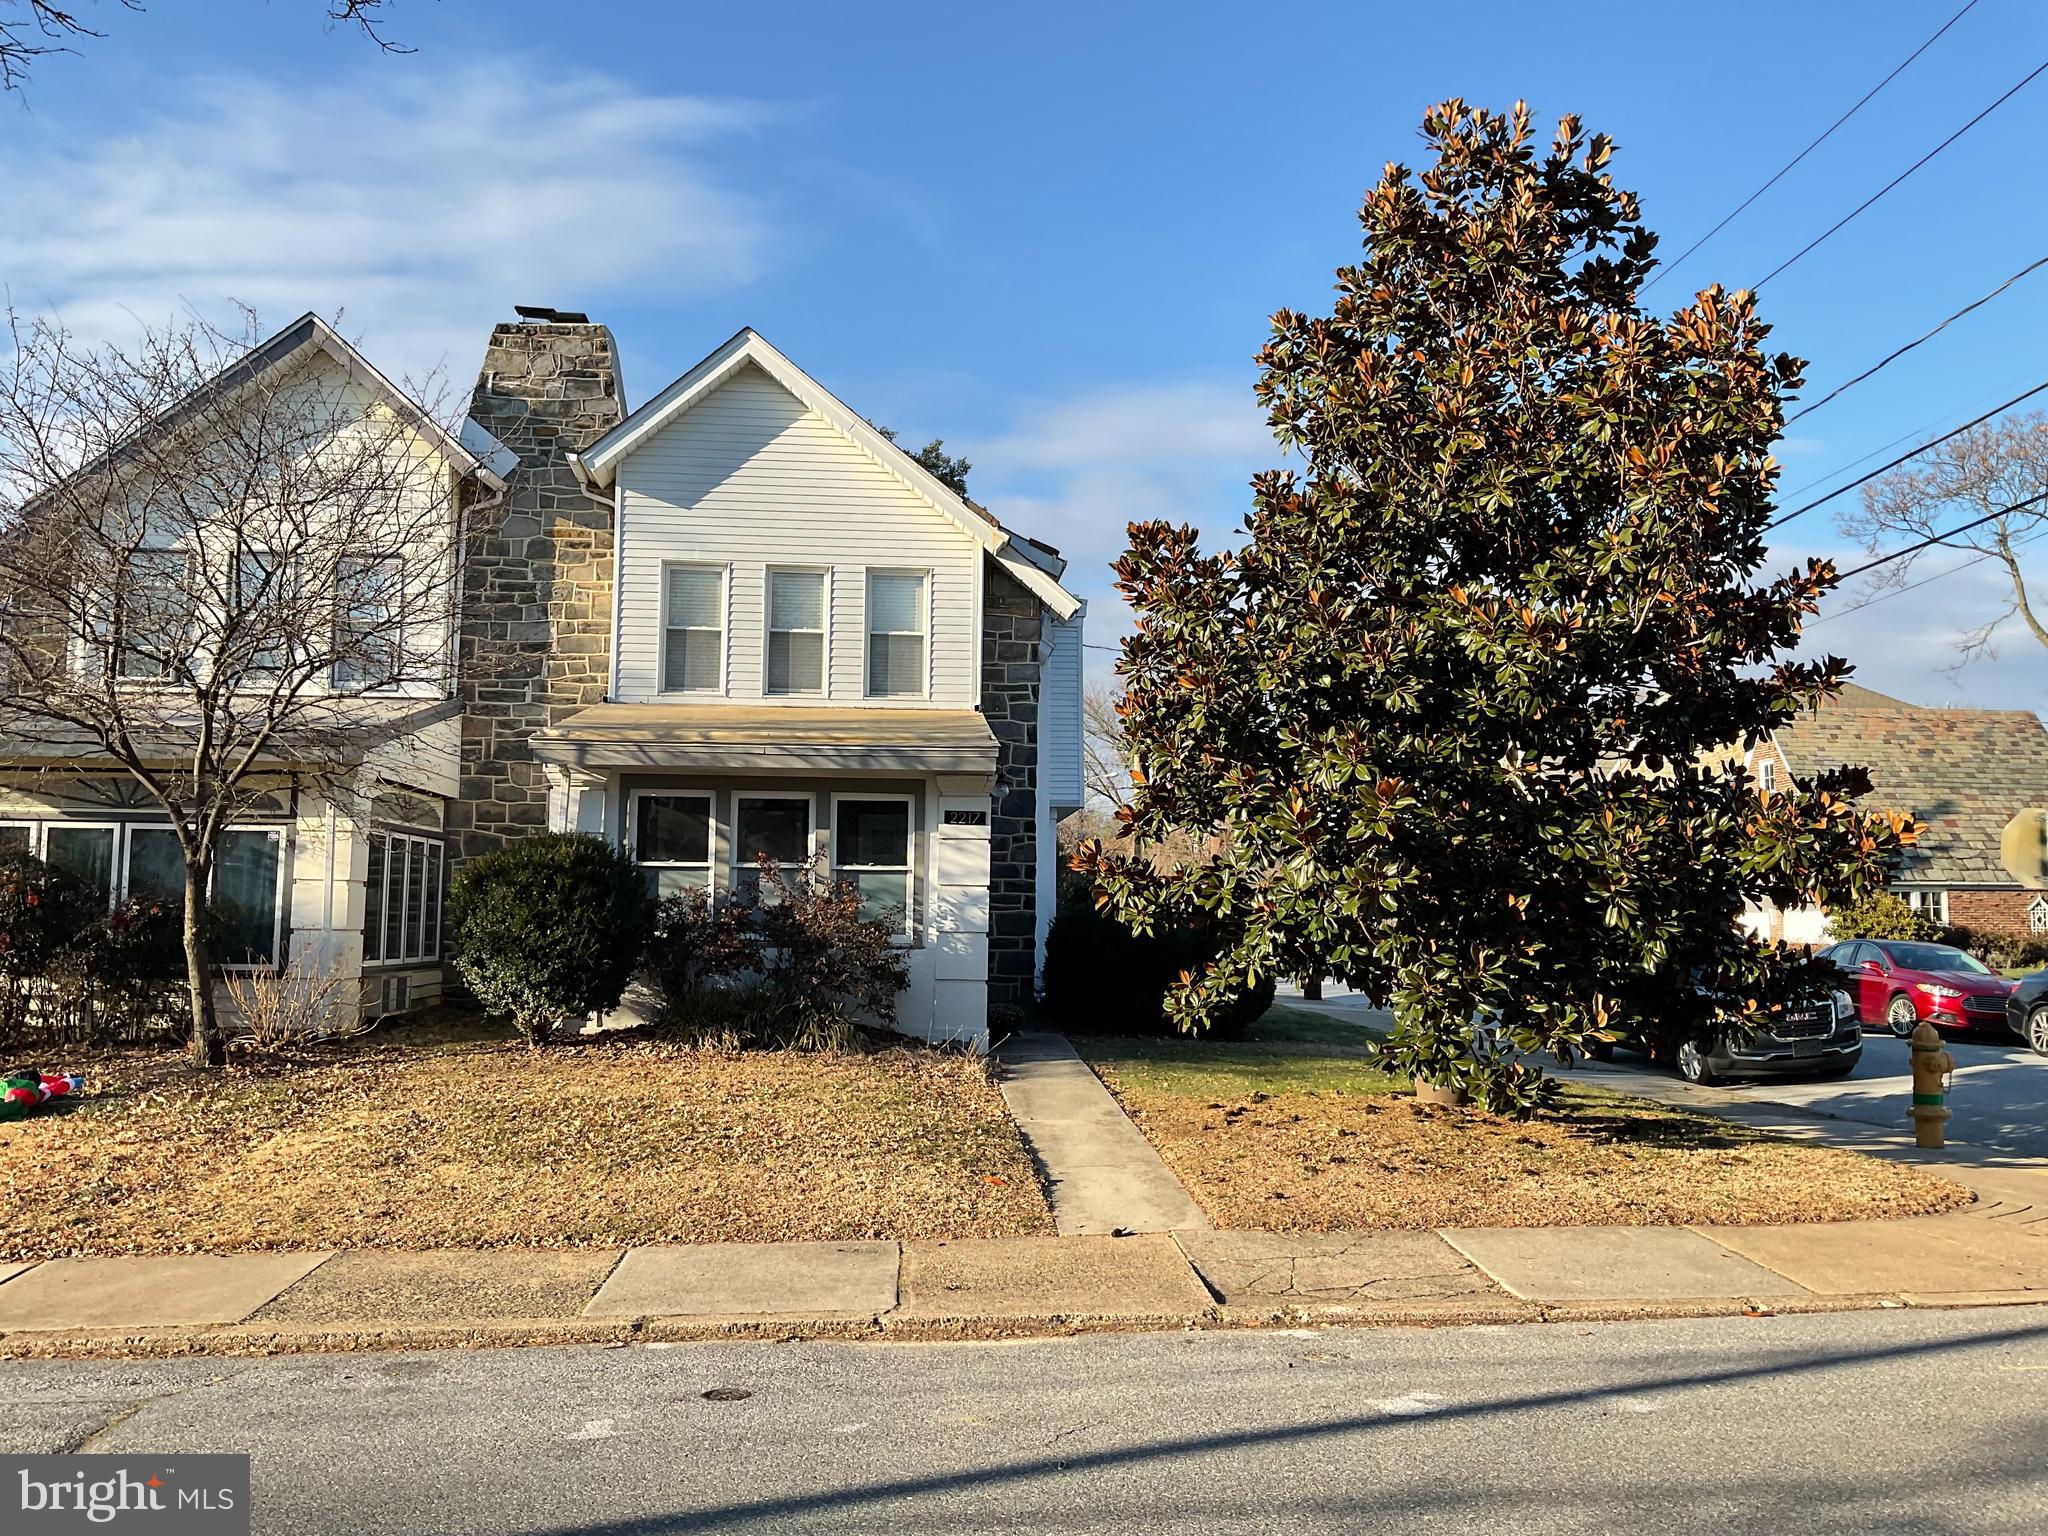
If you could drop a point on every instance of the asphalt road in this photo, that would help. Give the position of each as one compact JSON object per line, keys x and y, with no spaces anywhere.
{"x":1862,"y":1423}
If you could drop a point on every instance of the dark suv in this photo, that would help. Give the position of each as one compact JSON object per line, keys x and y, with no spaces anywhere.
{"x":1820,"y":1036}
{"x":2026,"y":1010}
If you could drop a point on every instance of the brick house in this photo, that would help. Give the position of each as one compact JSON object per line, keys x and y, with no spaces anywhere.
{"x":1977,"y":777}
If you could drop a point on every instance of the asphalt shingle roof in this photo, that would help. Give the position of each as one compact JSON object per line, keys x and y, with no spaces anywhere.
{"x":1965,"y":772}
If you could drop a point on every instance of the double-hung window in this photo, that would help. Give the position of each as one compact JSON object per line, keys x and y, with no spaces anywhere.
{"x":796,"y":632}
{"x":871,"y":846}
{"x":402,"y":899}
{"x":262,"y":611}
{"x":896,"y":634}
{"x":772,"y":827}
{"x":693,"y":629}
{"x":368,"y":621}
{"x":672,"y":841}
{"x":152,"y":614}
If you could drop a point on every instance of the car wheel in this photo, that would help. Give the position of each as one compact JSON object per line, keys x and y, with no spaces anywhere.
{"x":1900,"y":1017}
{"x":2037,"y":1028}
{"x":1694,"y":1067}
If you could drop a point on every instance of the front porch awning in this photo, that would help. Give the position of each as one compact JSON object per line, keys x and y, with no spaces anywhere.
{"x":767,"y":738}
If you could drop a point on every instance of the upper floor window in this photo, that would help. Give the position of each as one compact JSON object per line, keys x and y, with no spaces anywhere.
{"x":261,"y":608}
{"x":1767,"y":775}
{"x":367,"y":622}
{"x":796,"y":632}
{"x":152,"y":614}
{"x":896,"y":634}
{"x":693,"y":629}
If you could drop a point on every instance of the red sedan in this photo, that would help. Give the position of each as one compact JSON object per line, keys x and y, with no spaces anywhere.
{"x":1897,"y":984}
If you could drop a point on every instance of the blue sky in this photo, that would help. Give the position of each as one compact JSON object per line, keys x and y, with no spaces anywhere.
{"x":1050,"y":234}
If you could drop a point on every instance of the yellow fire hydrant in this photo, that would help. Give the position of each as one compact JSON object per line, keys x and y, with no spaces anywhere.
{"x":1931,"y":1067}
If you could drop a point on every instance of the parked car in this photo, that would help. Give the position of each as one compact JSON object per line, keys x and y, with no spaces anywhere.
{"x":1898,"y":984}
{"x":1819,"y":1037}
{"x":2026,"y":1010}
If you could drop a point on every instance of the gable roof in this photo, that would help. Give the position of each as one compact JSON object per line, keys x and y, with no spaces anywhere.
{"x":474,"y":450}
{"x":1034,"y":565}
{"x":1965,"y":772}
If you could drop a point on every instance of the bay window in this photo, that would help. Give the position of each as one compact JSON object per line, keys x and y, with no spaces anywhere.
{"x":402,"y":899}
{"x":796,"y":632}
{"x":896,"y":634}
{"x":871,"y":846}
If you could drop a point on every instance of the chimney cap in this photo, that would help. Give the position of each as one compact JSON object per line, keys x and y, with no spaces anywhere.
{"x":550,"y":316}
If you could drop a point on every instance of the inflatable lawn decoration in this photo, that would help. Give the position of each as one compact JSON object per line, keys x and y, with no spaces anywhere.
{"x":25,"y":1090}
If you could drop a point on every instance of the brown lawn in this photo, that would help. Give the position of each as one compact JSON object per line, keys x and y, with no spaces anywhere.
{"x":429,"y":1142}
{"x":1294,"y":1130}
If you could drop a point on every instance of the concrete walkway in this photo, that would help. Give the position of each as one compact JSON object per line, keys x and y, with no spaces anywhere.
{"x":1101,"y":1173}
{"x":244,"y":1303}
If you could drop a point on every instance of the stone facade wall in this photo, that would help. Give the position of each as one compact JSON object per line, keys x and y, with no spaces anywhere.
{"x":2000,"y":912}
{"x":1011,"y":631}
{"x":536,"y":632}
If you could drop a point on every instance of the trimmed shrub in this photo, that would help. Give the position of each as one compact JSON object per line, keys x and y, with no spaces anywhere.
{"x":792,"y":964}
{"x":1881,"y":915}
{"x":1100,"y":978}
{"x":548,"y":930}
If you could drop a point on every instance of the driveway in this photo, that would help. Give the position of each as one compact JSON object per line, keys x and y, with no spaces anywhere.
{"x":1999,"y":1095}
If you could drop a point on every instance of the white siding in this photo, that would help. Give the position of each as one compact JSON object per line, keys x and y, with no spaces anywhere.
{"x":1059,"y":715}
{"x":751,"y":478}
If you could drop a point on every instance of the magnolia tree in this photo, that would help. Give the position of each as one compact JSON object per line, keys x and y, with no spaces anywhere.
{"x":220,"y":564}
{"x":1452,"y":705}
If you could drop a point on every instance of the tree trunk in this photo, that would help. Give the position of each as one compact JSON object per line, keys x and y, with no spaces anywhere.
{"x":207,"y":1047}
{"x":1312,"y":989}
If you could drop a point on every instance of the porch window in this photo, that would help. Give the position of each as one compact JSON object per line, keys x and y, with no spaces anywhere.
{"x":86,"y":853}
{"x":871,"y":851}
{"x":775,"y":827}
{"x":152,"y":615}
{"x":156,"y":865}
{"x":693,"y":629}
{"x":896,"y":634}
{"x":367,"y":623}
{"x":402,"y":900}
{"x":672,"y":842}
{"x":796,"y":632}
{"x":245,"y":873}
{"x":16,"y":837}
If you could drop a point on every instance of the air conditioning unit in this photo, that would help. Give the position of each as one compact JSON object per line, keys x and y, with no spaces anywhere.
{"x":397,"y":994}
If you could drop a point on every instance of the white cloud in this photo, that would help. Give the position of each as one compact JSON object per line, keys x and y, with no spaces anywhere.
{"x":1136,"y":424}
{"x":424,"y":203}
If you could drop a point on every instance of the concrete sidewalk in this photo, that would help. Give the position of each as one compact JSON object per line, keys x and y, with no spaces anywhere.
{"x":258,"y":1303}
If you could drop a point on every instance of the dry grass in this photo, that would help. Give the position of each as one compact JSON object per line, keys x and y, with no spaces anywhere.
{"x":439,"y":1139}
{"x":1294,"y":1130}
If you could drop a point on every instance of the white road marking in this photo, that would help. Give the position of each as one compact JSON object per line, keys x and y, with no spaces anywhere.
{"x":1409,"y":1404}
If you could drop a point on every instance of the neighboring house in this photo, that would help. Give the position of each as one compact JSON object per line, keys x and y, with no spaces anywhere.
{"x":1978,"y":778}
{"x":339,"y":857}
{"x":744,"y":623}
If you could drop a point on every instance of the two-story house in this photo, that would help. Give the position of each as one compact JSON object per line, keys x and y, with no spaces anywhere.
{"x":335,"y":853}
{"x":739,"y":622}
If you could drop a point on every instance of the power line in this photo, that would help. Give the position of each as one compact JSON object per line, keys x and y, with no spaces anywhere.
{"x":1885,"y":362}
{"x":1891,"y":464}
{"x":1835,"y":227}
{"x":1907,"y":436}
{"x":1887,"y":595}
{"x":1658,"y":276}
{"x":1945,"y":535}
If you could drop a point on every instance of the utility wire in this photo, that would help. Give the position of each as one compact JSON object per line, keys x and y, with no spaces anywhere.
{"x":1890,"y":464}
{"x":1885,"y":362}
{"x":1945,"y":535}
{"x":1907,"y":436}
{"x":1658,"y":276}
{"x":1832,"y":229}
{"x":1892,"y":592}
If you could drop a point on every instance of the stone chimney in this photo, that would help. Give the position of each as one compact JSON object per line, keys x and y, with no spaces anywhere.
{"x":536,"y":629}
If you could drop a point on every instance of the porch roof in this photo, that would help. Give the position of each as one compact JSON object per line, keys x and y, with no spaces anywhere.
{"x":723,"y":737}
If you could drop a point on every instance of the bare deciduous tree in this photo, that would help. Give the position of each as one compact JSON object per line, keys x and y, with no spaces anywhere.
{"x":1105,"y":775}
{"x":1971,"y":476}
{"x":219,"y":562}
{"x":35,"y":29}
